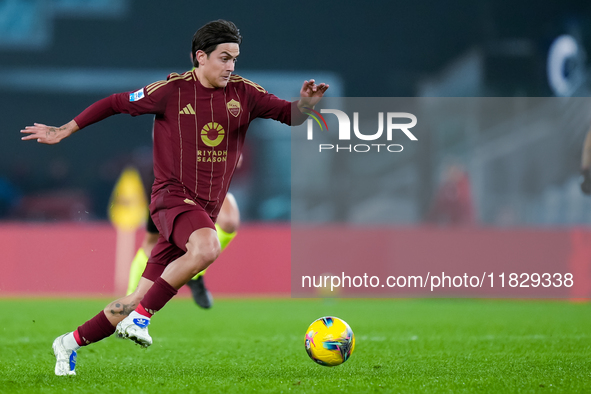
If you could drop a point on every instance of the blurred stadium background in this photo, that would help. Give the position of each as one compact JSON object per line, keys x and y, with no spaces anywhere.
{"x":59,"y":56}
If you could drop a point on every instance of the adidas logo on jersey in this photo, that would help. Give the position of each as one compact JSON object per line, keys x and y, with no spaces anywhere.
{"x":188,"y":110}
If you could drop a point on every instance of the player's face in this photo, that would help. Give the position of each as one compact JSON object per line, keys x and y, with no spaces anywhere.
{"x":219,"y":65}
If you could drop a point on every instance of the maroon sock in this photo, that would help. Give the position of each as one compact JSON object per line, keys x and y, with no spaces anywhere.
{"x":95,"y":329}
{"x":159,"y":294}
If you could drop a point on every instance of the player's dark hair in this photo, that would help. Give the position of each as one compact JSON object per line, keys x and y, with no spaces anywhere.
{"x":210,"y":35}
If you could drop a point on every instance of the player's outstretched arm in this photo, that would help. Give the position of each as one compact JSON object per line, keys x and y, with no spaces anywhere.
{"x":311,"y":94}
{"x":49,"y":134}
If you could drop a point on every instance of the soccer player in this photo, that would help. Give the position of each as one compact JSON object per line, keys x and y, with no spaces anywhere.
{"x":586,"y":165}
{"x":226,"y":228}
{"x":201,"y":121}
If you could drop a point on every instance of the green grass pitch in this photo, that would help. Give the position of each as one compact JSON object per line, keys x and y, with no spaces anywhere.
{"x":257,"y":345}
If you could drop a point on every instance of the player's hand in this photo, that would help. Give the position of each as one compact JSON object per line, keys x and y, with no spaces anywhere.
{"x":586,"y":181}
{"x":311,"y":93}
{"x":48,"y":134}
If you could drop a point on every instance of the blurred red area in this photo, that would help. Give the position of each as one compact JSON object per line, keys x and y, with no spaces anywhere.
{"x":69,"y":259}
{"x":429,"y":253}
{"x":57,"y":205}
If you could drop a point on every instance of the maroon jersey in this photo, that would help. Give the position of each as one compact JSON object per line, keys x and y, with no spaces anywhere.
{"x":198,"y":132}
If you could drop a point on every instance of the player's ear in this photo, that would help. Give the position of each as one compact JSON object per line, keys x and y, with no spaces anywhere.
{"x":200,"y":56}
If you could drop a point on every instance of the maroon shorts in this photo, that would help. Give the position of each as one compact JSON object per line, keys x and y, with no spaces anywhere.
{"x":176,"y":216}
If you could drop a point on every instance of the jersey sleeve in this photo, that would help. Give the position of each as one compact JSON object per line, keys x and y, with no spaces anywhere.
{"x":269,"y":106}
{"x":147,"y":100}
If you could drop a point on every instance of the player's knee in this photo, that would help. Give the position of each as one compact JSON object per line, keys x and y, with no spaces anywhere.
{"x":210,"y":255}
{"x":201,"y":263}
{"x":203,"y":248}
{"x":203,"y":254}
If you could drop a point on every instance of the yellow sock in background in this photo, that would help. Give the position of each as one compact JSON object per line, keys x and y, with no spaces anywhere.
{"x":138,"y":265}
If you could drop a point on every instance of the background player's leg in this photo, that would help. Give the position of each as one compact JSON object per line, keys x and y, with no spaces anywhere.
{"x":141,"y":258}
{"x":229,"y":218}
{"x":227,"y":227}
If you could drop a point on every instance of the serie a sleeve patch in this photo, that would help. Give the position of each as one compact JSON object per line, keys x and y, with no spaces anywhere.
{"x":135,"y":96}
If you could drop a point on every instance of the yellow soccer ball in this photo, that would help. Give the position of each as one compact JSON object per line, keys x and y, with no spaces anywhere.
{"x":329,"y":341}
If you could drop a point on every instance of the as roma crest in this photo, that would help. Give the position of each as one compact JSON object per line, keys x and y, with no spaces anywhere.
{"x":234,"y":107}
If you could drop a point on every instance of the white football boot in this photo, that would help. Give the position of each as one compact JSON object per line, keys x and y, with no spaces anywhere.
{"x":135,"y":327}
{"x":65,"y":363}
